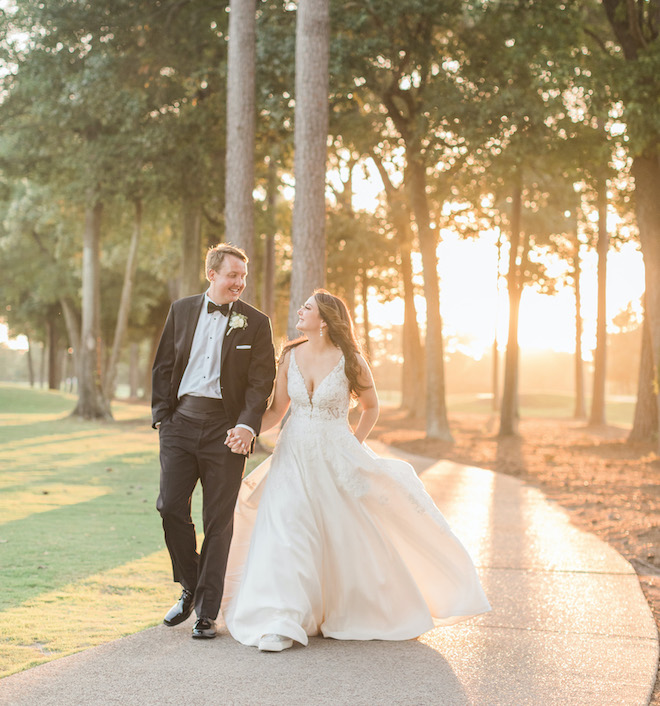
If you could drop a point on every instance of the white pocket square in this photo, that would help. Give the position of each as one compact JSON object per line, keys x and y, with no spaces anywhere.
{"x":242,"y":348}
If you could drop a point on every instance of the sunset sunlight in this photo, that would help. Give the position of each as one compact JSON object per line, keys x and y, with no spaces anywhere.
{"x":474,"y":300}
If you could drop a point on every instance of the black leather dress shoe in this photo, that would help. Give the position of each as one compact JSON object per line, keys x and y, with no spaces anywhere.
{"x":204,"y":627}
{"x":181,"y":610}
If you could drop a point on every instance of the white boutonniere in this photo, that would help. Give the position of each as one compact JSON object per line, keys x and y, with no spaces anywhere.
{"x":236,"y":320}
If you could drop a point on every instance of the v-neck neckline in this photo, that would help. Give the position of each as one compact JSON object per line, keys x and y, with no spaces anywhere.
{"x":323,"y":379}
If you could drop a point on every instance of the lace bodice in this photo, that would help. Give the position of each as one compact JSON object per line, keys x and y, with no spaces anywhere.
{"x":329,"y":401}
{"x":318,"y":431}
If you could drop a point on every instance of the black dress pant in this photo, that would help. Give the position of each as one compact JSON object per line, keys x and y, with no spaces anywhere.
{"x":192,"y":448}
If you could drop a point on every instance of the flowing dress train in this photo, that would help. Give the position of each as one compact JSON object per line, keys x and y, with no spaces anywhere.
{"x":330,"y":538}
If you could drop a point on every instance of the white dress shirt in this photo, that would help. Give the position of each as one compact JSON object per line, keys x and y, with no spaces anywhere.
{"x":201,"y":378}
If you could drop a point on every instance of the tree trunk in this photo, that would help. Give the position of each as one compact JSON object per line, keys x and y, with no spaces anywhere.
{"x":597,"y":416}
{"x":30,"y":363}
{"x":241,"y":121}
{"x":62,"y":363}
{"x":310,"y":143}
{"x":42,"y":364}
{"x":349,"y":296}
{"x":580,"y":411}
{"x":71,"y":375}
{"x":627,"y":20}
{"x":524,"y":258}
{"x":437,"y":424}
{"x":645,"y":424}
{"x":495,"y":375}
{"x":72,"y":324}
{"x":495,"y":364}
{"x":268,"y":285}
{"x":124,"y":303}
{"x":364,"y":282}
{"x":412,"y":374}
{"x":646,"y":171}
{"x":134,"y":370}
{"x":412,"y":370}
{"x":191,"y":248}
{"x":509,"y":409}
{"x":91,"y":401}
{"x":53,"y":347}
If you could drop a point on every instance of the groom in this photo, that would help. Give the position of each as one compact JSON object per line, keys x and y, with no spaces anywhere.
{"x":212,"y":376}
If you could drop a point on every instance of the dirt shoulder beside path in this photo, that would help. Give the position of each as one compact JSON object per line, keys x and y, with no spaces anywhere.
{"x":608,"y":487}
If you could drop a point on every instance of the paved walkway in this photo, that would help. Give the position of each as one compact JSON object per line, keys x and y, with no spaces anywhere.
{"x":569,"y":626}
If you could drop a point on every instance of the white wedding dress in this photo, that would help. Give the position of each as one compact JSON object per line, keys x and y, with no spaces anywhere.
{"x":330,"y":538}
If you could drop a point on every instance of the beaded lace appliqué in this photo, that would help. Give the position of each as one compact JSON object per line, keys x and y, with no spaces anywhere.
{"x":329,"y":401}
{"x":319,"y":432}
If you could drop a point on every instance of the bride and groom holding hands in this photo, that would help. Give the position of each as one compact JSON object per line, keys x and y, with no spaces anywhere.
{"x":328,"y":538}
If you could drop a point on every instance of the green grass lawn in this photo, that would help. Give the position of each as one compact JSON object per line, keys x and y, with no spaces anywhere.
{"x":82,"y":558}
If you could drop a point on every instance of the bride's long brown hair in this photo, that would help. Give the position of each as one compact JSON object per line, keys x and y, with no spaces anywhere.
{"x":334,"y":312}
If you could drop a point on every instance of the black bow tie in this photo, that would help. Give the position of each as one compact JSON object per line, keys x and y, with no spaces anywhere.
{"x":222,"y":308}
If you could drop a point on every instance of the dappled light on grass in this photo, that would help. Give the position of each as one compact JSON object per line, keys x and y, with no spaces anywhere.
{"x":82,"y":557}
{"x":104,"y":607}
{"x":17,"y":504}
{"x":15,"y":420}
{"x":74,"y":450}
{"x":120,"y":413}
{"x":80,"y":538}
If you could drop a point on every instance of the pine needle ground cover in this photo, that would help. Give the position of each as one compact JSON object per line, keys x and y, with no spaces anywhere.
{"x":82,"y":556}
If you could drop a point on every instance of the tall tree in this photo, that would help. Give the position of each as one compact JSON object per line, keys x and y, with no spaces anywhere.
{"x":495,"y":363}
{"x":520,"y":64}
{"x":124,"y":303}
{"x":268,"y":285}
{"x":107,"y":98}
{"x":579,"y":411}
{"x":518,"y":246}
{"x":412,"y":369}
{"x":437,"y":424}
{"x":635,"y":26}
{"x":597,"y":414}
{"x":241,"y":119}
{"x":645,"y":421}
{"x":310,"y":144}
{"x":401,"y":60}
{"x":38,"y":223}
{"x":92,"y":402}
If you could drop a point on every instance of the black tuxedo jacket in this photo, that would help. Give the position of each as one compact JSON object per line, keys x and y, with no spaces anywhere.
{"x":247,"y":366}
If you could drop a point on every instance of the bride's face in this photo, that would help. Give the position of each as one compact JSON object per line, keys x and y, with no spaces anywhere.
{"x":309,"y":319}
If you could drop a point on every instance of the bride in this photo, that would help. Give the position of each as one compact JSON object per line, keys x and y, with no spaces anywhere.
{"x":328,"y":537}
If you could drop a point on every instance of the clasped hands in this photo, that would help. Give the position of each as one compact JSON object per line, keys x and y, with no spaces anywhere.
{"x":239,"y":440}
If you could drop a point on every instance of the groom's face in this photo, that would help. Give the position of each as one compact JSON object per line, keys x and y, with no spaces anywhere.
{"x":228,"y":282}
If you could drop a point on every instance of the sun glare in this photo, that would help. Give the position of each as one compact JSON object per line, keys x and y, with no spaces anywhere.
{"x":474,"y":306}
{"x":474,"y":301}
{"x":367,"y":187}
{"x":20,"y":343}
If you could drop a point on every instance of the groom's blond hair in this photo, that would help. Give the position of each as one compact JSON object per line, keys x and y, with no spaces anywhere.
{"x":216,"y":256}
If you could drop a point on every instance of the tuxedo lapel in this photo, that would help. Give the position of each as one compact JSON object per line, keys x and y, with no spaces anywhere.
{"x":191,"y":325}
{"x":237,"y":308}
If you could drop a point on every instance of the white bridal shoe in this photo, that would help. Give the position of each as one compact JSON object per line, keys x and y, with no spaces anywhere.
{"x":274,"y":643}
